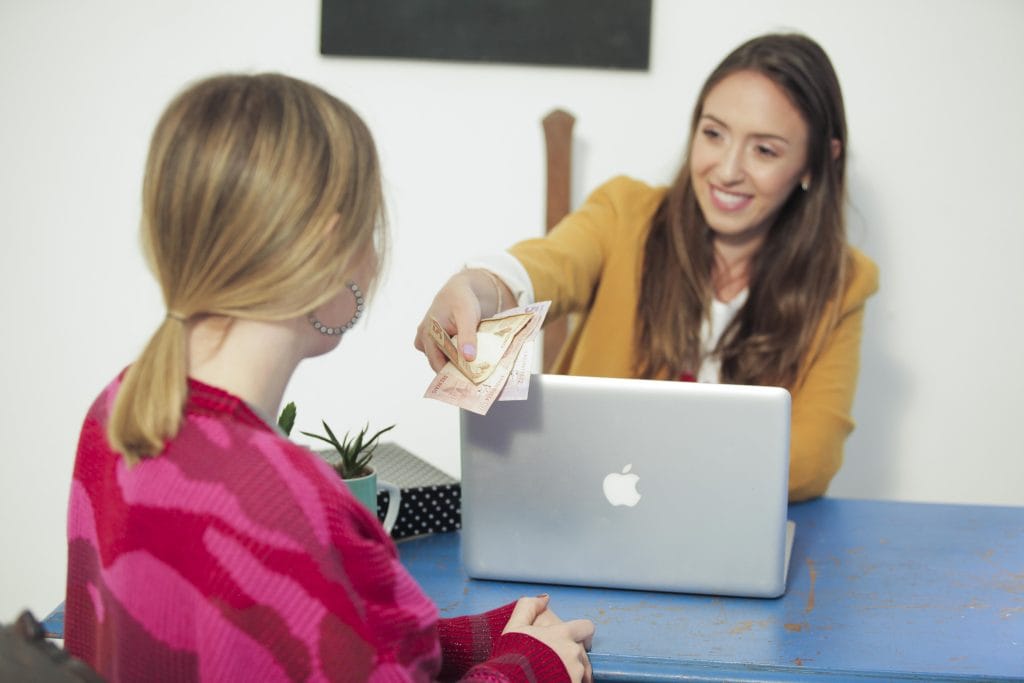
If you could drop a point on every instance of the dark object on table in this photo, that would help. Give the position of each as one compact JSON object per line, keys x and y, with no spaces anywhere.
{"x":26,"y":655}
{"x":431,"y":500}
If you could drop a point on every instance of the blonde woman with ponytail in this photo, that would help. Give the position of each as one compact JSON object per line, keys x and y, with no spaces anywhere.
{"x":202,"y":544}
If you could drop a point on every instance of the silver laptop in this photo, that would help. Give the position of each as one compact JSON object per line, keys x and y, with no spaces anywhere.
{"x":626,"y":483}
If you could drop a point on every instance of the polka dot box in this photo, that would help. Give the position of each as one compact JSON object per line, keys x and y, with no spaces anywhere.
{"x":431,"y":500}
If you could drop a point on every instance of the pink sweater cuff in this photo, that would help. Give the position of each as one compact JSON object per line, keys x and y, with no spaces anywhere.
{"x":519,"y":658}
{"x":473,"y":649}
{"x":470,"y":640}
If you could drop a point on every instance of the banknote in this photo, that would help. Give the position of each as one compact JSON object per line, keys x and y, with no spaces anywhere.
{"x":493,"y":337}
{"x":517,"y":387}
{"x":453,"y":387}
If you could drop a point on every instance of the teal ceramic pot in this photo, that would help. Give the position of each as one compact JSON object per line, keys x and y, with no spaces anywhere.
{"x":365,"y":489}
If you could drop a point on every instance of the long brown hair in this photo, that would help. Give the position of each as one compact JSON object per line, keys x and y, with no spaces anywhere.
{"x":259,"y":193}
{"x":800,"y":266}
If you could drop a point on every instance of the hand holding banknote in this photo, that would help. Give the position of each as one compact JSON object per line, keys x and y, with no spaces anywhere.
{"x":468,"y":297}
{"x":458,"y":384}
{"x":493,"y":335}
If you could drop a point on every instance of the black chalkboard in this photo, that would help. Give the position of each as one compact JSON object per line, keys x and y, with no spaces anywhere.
{"x":587,"y":33}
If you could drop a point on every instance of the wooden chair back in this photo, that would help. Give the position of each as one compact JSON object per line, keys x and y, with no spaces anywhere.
{"x":558,"y":146}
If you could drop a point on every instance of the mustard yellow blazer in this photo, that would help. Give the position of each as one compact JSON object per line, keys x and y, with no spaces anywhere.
{"x":591,"y":263}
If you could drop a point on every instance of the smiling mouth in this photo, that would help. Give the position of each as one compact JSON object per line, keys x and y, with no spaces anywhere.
{"x":729,"y":201}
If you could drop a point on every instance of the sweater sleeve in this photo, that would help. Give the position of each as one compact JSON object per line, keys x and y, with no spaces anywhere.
{"x":474,"y":649}
{"x":566,"y":265}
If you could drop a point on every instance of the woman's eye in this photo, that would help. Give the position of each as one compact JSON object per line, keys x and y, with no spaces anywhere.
{"x":766,"y":151}
{"x":711,"y":133}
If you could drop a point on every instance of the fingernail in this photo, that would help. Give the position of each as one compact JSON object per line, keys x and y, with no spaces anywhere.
{"x":468,"y":350}
{"x":542,"y":595}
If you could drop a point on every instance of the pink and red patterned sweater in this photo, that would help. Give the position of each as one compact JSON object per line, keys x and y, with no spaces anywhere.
{"x":239,"y":555}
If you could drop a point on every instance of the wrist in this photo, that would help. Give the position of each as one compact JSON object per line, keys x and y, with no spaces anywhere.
{"x":488,"y":288}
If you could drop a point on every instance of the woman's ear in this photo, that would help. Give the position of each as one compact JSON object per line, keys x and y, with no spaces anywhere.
{"x":837,"y":149}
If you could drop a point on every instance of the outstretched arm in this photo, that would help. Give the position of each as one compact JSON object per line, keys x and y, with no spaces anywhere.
{"x":469,"y":296}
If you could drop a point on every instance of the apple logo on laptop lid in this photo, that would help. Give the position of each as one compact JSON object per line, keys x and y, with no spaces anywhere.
{"x":620,"y":487}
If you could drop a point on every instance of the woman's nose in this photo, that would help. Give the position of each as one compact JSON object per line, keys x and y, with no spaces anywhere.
{"x":730,"y":165}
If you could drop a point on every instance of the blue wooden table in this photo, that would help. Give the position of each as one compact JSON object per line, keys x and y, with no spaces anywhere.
{"x":877,"y":591}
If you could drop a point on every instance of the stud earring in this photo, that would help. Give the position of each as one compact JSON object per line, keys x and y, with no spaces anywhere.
{"x":357,"y":294}
{"x":804,"y":185}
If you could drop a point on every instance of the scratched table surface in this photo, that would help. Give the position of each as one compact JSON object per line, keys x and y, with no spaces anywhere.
{"x":876,"y":591}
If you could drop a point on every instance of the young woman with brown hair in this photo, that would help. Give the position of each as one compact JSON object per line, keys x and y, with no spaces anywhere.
{"x":738,"y":272}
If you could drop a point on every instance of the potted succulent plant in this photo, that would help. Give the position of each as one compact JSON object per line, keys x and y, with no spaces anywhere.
{"x":354,"y":453}
{"x":350,"y":458}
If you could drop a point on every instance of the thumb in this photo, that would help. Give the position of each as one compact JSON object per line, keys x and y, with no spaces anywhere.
{"x":466,"y":323}
{"x":526,"y":611}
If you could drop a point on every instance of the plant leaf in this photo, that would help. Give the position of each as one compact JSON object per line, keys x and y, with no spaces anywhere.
{"x":370,"y":444}
{"x":286,"y":420}
{"x":322,"y":438}
{"x":333,"y":439}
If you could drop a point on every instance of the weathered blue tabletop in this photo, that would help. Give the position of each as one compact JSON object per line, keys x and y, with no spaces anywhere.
{"x":877,"y":591}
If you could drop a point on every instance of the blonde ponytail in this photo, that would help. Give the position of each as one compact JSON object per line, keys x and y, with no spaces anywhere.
{"x":148,"y":408}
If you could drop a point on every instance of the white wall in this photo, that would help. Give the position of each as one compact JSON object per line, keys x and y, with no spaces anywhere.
{"x":934,"y":94}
